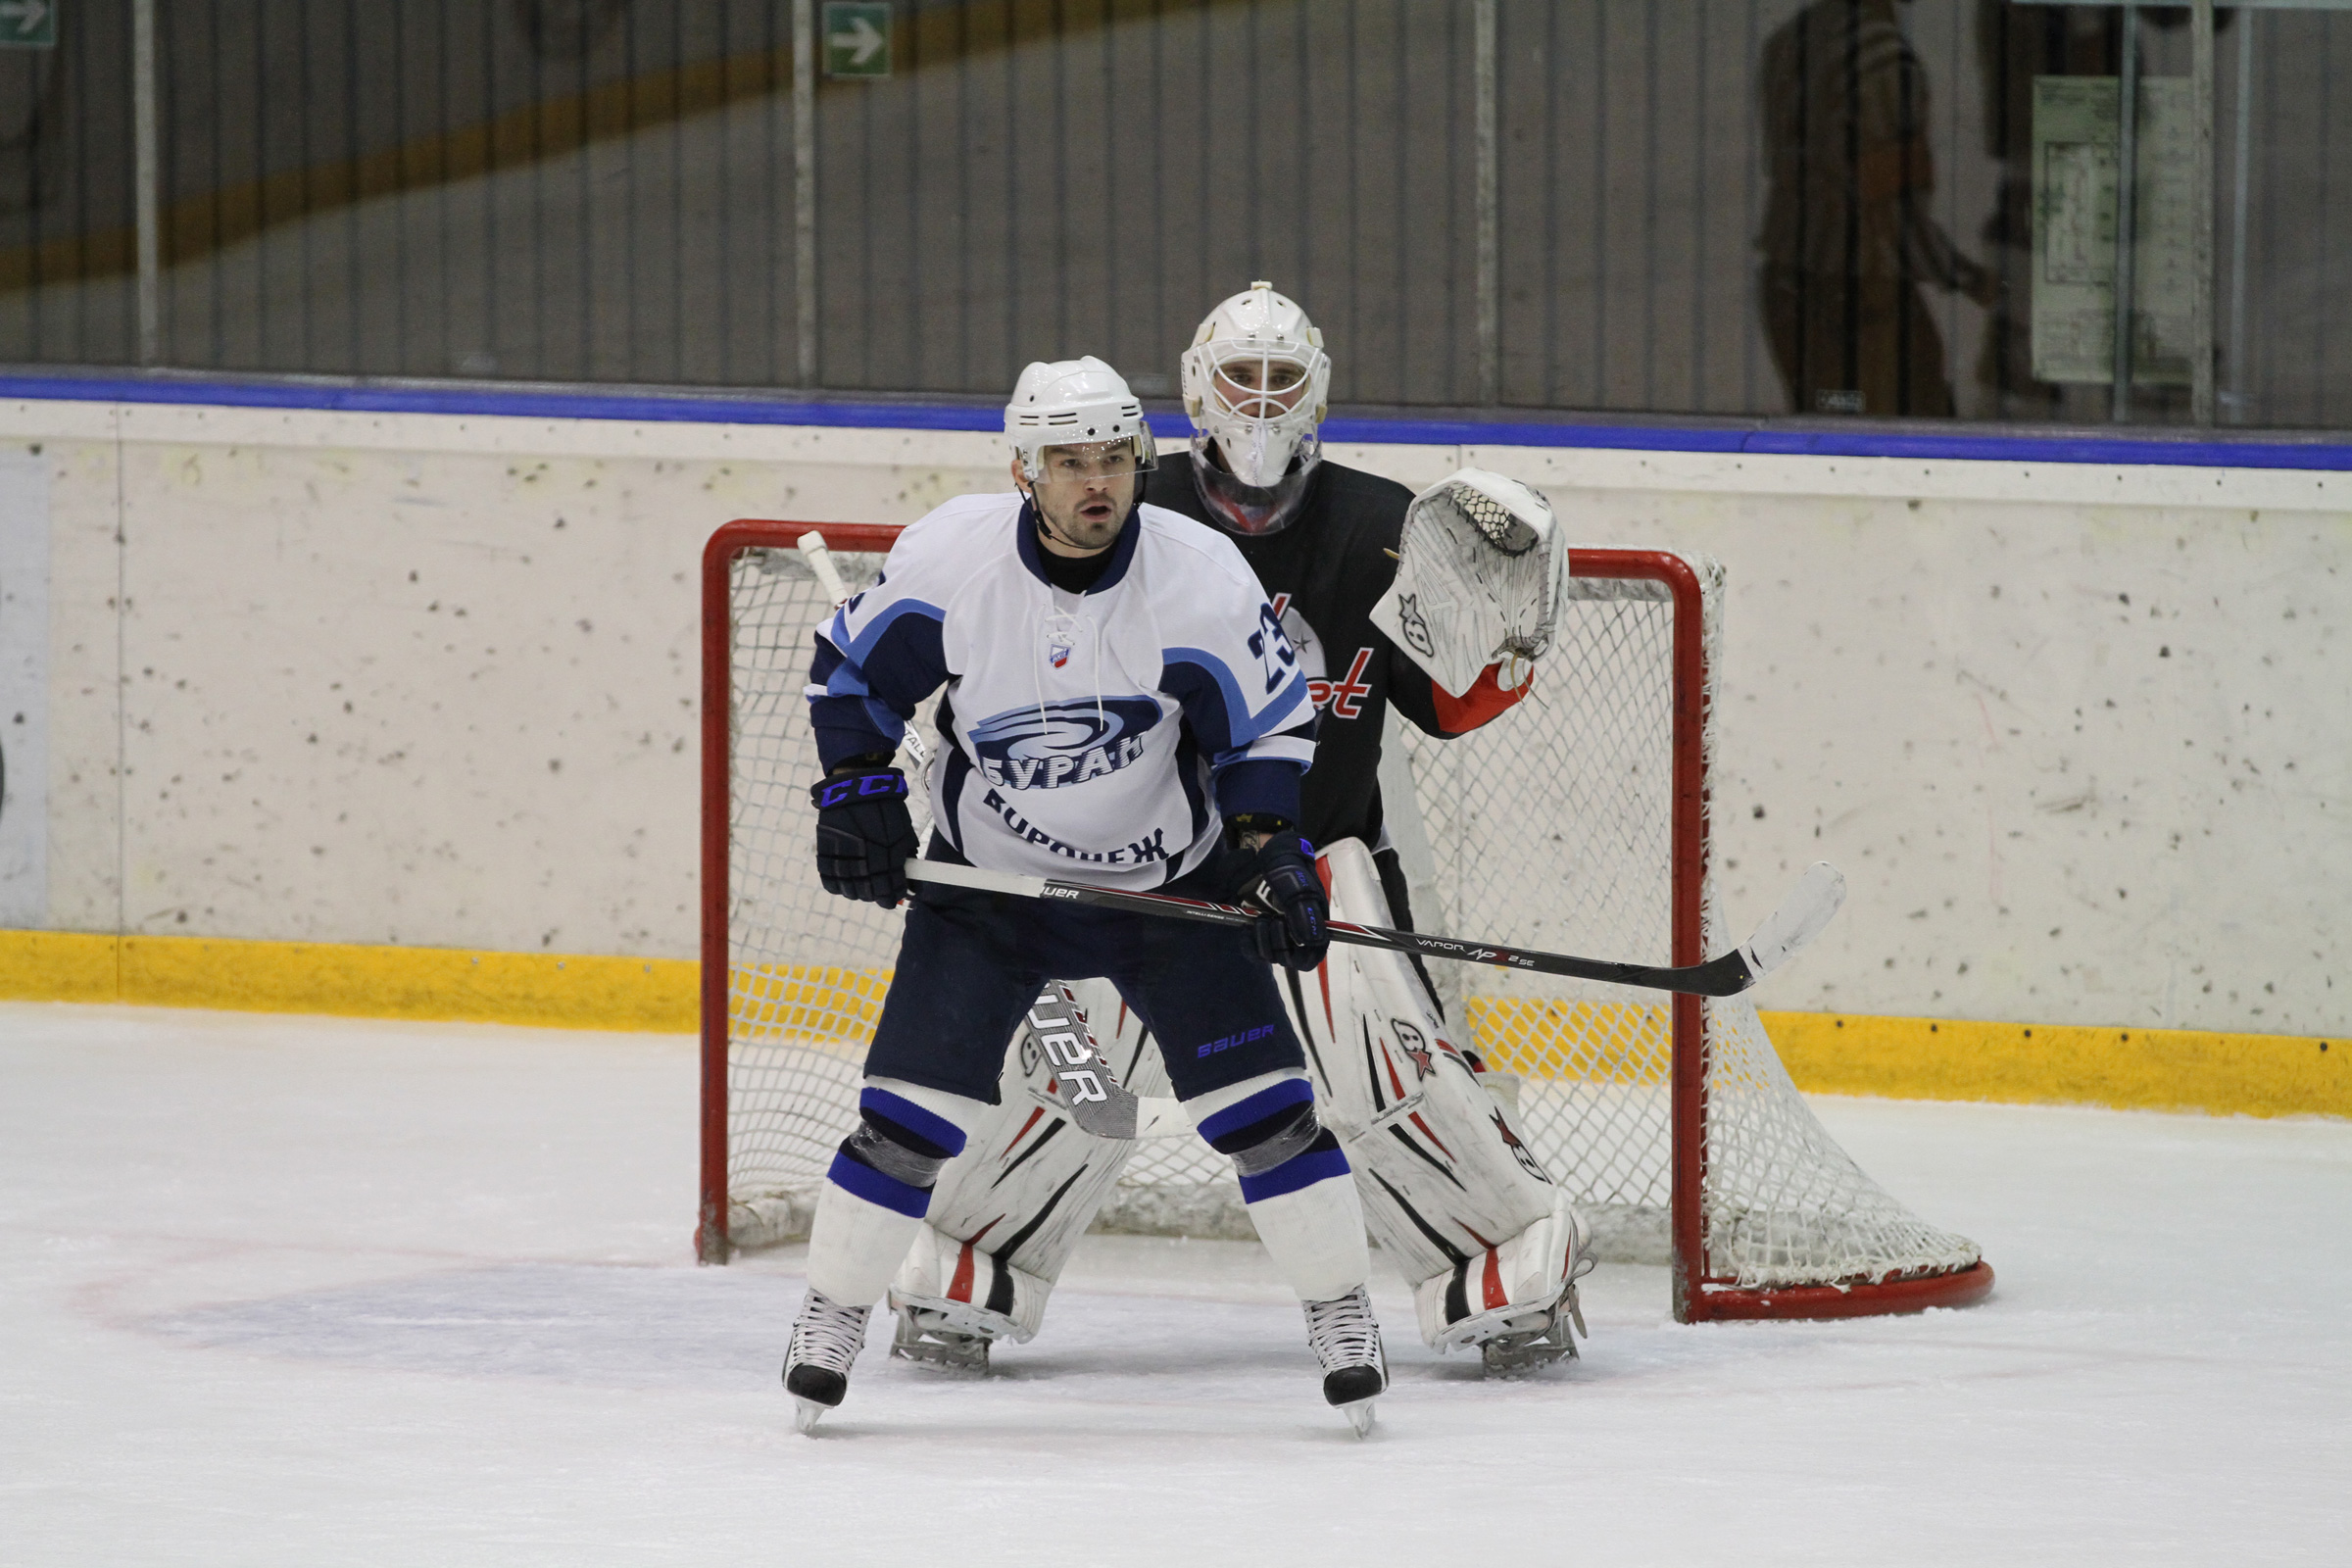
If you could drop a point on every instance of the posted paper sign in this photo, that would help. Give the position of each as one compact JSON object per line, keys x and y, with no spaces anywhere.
{"x":2076,"y":151}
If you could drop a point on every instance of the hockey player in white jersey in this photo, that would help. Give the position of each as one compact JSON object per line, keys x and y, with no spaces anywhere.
{"x":1117,"y":691}
{"x":1435,"y":605}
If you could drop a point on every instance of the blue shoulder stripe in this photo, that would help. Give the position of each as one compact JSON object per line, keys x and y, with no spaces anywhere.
{"x":1241,"y":726}
{"x":862,"y":646}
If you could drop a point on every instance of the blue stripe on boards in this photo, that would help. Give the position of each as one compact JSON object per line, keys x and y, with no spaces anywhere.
{"x":1981,"y":444}
{"x":913,"y":1117}
{"x":1315,"y":1165}
{"x":883,"y":1191}
{"x":1257,"y":1107}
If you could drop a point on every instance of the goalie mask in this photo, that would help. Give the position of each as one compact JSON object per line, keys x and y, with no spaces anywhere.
{"x":1076,"y":402}
{"x":1255,"y":384}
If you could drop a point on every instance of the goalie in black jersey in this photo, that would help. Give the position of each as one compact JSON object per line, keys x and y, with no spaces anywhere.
{"x":1438,"y":606}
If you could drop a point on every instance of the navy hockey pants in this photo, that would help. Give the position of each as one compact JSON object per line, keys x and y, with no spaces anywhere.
{"x":971,"y":963}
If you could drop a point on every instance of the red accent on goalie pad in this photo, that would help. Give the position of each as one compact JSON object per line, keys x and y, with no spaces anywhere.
{"x":1491,"y":1279}
{"x":1486,"y":697}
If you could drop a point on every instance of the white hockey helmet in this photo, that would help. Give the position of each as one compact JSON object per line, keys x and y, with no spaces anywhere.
{"x":1069,"y":402}
{"x":1256,"y":382}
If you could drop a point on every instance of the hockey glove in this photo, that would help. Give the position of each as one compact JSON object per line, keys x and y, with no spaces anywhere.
{"x":864,"y":837}
{"x":1281,"y":880}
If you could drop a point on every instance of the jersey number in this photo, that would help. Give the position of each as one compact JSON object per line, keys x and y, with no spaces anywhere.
{"x":1273,"y":647}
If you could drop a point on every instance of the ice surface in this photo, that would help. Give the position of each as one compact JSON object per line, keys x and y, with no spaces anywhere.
{"x":279,"y":1290}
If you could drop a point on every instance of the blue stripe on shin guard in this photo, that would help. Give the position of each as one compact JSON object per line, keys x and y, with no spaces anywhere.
{"x":1321,"y":1160}
{"x":1266,"y":1103}
{"x":933,"y":1129}
{"x":888,"y":1192}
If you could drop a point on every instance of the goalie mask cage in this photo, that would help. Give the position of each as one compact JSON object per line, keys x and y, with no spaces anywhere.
{"x":1576,"y":822}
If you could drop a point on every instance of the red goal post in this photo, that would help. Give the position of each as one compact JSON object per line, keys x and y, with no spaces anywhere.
{"x":1710,"y":1155}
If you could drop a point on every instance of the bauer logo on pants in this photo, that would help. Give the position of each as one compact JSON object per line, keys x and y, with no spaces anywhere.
{"x":1239,"y":1038}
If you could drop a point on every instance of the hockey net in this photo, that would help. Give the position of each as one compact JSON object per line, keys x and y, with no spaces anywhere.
{"x":1576,"y":823}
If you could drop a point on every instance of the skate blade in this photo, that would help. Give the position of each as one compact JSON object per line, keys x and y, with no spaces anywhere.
{"x":805,"y":1414}
{"x":1359,"y":1416}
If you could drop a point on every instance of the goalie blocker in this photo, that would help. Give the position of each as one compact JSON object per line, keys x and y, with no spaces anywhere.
{"x":1462,"y":1207}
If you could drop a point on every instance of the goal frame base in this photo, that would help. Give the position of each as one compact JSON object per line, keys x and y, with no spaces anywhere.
{"x":1891,"y":1298}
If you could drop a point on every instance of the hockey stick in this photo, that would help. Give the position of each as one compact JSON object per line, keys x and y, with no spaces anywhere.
{"x":1799,"y":920}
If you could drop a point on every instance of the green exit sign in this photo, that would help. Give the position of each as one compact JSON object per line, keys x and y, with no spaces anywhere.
{"x":857,"y":40}
{"x":28,"y":24}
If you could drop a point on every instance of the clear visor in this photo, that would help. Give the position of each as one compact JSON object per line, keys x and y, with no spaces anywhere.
{"x":1091,"y":461}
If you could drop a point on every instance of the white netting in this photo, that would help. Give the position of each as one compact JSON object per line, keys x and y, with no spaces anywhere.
{"x":1550,"y":828}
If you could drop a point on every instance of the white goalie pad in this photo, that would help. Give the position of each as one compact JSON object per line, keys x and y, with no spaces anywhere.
{"x":1480,"y":574}
{"x":1007,"y":1213}
{"x":1453,"y":1196}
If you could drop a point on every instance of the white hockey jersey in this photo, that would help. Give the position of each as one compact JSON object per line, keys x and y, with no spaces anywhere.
{"x":1100,"y":737}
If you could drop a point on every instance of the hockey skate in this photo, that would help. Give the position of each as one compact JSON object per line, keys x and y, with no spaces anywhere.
{"x":1345,"y":1337}
{"x":932,"y":1337}
{"x":825,"y":1338}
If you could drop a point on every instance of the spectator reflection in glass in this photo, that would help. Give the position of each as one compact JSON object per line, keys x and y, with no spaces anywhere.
{"x":1849,"y":237}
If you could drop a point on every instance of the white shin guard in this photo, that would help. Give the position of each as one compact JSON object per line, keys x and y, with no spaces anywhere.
{"x":1300,"y":1194}
{"x":867,"y":1218}
{"x":1316,"y":1237}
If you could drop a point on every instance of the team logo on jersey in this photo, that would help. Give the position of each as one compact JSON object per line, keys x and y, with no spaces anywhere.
{"x":1048,"y":745}
{"x":1058,"y":649}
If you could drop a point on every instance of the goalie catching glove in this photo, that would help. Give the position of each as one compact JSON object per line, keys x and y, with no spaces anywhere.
{"x":1280,"y":879}
{"x":864,"y":836}
{"x":1481,"y":570}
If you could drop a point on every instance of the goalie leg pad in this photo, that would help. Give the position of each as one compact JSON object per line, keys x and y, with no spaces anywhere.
{"x":879,"y":1187}
{"x":1517,"y":1288}
{"x":1007,"y":1213}
{"x":1295,"y":1179}
{"x":1456,"y":1199}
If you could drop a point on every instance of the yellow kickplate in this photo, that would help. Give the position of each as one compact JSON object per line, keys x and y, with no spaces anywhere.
{"x":561,"y":991}
{"x":2157,"y":1069}
{"x":1841,"y":1053}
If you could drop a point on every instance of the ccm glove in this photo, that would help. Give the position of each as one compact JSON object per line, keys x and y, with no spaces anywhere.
{"x":1295,"y":931}
{"x":864,"y":837}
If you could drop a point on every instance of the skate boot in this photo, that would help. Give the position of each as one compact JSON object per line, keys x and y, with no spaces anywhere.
{"x":825,"y":1338}
{"x":1345,"y":1337}
{"x":932,"y":1337}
